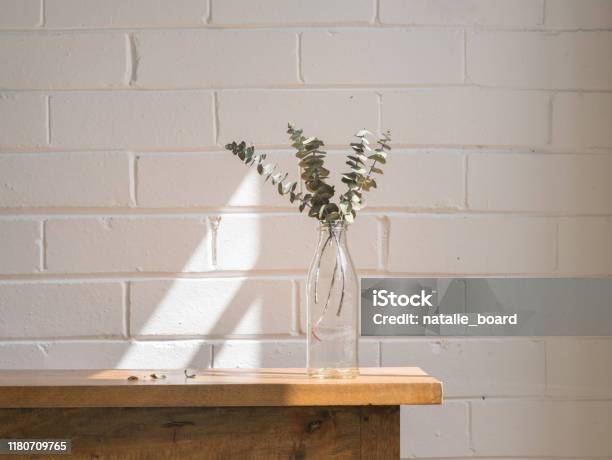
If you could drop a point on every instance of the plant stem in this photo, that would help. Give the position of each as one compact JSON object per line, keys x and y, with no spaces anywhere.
{"x":331,"y":286}
{"x":316,"y":293}
{"x":339,"y":262}
{"x":339,"y":256}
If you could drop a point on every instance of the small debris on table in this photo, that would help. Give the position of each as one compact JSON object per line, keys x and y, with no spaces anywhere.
{"x":132,"y":377}
{"x":189,"y":375}
{"x":158,"y":376}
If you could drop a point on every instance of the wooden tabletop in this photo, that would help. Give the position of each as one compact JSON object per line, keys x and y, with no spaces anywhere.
{"x":215,"y":388}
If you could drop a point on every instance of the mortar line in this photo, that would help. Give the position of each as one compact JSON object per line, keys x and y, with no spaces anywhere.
{"x":169,"y":213}
{"x":465,"y":69}
{"x":358,"y":88}
{"x":385,"y":243}
{"x":380,"y":113}
{"x":546,"y":347}
{"x":300,"y":71}
{"x":208,"y":18}
{"x":43,"y":13}
{"x":399,"y":149}
{"x":134,"y":60}
{"x":213,"y":352}
{"x":127,"y":308}
{"x":319,"y":27}
{"x":215,"y":119}
{"x":213,"y":222}
{"x":465,"y":181}
{"x":43,"y":245}
{"x":133,"y":172}
{"x":550,"y":118}
{"x":557,"y":243}
{"x":48,"y":110}
{"x":296,"y":305}
{"x":268,"y":275}
{"x":470,"y":427}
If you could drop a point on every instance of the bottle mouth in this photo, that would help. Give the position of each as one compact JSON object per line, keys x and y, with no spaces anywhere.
{"x":335,"y":224}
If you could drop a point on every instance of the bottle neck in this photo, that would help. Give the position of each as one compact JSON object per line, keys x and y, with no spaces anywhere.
{"x":334,"y":233}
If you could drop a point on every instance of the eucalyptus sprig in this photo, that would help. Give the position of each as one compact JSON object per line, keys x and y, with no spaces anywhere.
{"x":318,"y":194}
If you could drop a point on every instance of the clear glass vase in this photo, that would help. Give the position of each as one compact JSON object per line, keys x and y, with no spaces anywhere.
{"x":332,"y":300}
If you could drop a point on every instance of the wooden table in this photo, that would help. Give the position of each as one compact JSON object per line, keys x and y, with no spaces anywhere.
{"x":220,"y":413}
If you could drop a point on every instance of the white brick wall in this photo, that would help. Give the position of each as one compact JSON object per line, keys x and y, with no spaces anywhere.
{"x":571,"y":60}
{"x":462,"y":12}
{"x":466,"y":116}
{"x":581,"y":120}
{"x":58,"y":180}
{"x":472,"y":244}
{"x":587,"y":14}
{"x":113,"y":117}
{"x":135,"y":120}
{"x":211,"y":307}
{"x":118,"y":244}
{"x":75,"y":14}
{"x":223,"y":58}
{"x":61,"y":310}
{"x":24,"y":121}
{"x":435,"y":57}
{"x":18,"y":14}
{"x":20,"y":251}
{"x":261,"y":117}
{"x":55,"y":61}
{"x":292,"y":12}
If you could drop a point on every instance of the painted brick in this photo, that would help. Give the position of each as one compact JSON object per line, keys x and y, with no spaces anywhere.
{"x":582,"y":120}
{"x":585,"y":14}
{"x":68,"y":14}
{"x":545,"y":183}
{"x":585,"y":245}
{"x":574,"y":366}
{"x":94,"y":245}
{"x":412,"y":180}
{"x":253,"y":242}
{"x":261,"y":117}
{"x":19,"y":355}
{"x":472,"y":245}
{"x":248,"y":58}
{"x":278,"y":353}
{"x":572,"y":60}
{"x":132,"y":120}
{"x":106,"y":354}
{"x":190,"y":183}
{"x":542,"y":428}
{"x":23,"y":121}
{"x":63,"y":61}
{"x":445,"y":116}
{"x":427,"y":56}
{"x":435,"y":431}
{"x":462,"y":12}
{"x":20,"y":14}
{"x":211,"y":307}
{"x":60,"y":310}
{"x":19,"y":246}
{"x":65,"y":180}
{"x":474,"y":367}
{"x":285,"y":12}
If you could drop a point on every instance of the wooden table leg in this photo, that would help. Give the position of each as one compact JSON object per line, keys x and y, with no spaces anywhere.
{"x":380,"y":432}
{"x":340,"y":432}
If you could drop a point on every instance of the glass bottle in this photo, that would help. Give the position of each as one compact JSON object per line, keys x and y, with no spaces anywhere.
{"x":332,"y":297}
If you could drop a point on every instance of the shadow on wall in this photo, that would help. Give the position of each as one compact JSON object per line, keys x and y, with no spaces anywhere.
{"x":194,"y":312}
